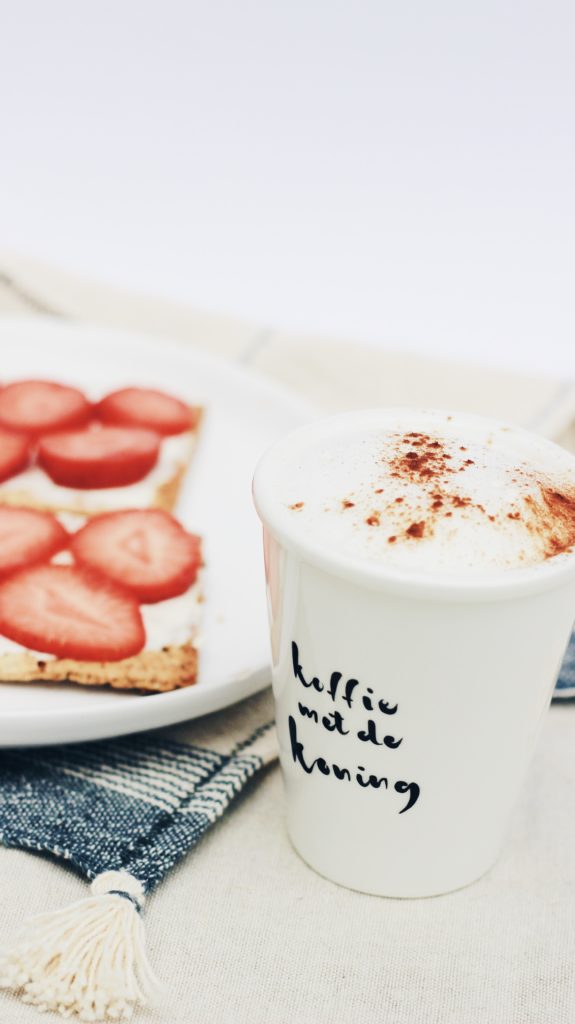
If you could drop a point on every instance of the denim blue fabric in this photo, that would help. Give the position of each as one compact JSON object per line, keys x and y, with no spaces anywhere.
{"x":565,"y":686}
{"x":136,"y":804}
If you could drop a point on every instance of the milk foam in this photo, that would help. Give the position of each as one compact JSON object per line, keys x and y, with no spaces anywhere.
{"x":426,"y":492}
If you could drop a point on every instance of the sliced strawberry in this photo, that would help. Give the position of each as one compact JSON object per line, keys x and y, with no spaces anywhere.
{"x":99,"y":457}
{"x":37,"y":406}
{"x":69,"y":612}
{"x":145,"y":550}
{"x":28,"y":536}
{"x":14,"y":454}
{"x":145,"y":407}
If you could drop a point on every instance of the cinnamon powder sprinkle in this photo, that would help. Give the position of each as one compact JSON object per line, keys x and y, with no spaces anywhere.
{"x":296,"y":507}
{"x":435,"y":465}
{"x":416,"y":529}
{"x":426,"y":458}
{"x":431,"y":462}
{"x":557,"y":524}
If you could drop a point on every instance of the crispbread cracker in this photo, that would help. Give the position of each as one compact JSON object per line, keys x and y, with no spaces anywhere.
{"x":151,"y":671}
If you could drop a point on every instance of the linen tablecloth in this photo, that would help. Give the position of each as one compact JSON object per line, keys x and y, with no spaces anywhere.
{"x":242,"y":931}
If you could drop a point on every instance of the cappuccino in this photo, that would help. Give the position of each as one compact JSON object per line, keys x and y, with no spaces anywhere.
{"x":432,"y":492}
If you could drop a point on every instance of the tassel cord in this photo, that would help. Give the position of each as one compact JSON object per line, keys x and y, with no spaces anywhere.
{"x":89,"y":958}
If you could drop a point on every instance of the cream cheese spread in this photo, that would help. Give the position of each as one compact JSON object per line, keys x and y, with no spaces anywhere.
{"x":175,"y":452}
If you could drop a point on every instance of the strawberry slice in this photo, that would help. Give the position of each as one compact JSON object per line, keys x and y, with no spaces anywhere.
{"x":14,"y":454}
{"x":28,"y":536}
{"x":69,"y":612}
{"x":37,"y":406}
{"x":146,"y":551}
{"x":145,"y":407}
{"x":99,"y":457}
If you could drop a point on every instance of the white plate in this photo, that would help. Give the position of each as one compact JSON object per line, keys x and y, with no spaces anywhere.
{"x":245,"y":414}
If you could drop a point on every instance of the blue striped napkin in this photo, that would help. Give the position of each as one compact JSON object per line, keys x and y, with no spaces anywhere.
{"x":122,"y":812}
{"x":565,"y":686}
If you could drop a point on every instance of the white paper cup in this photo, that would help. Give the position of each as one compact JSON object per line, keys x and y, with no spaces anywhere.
{"x":411,"y":798}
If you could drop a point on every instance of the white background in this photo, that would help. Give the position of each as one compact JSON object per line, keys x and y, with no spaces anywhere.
{"x":398,"y":172}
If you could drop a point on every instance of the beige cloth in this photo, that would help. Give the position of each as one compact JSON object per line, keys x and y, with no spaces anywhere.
{"x":242,"y":932}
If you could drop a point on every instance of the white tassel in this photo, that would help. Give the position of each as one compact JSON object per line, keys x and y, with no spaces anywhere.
{"x":89,"y":958}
